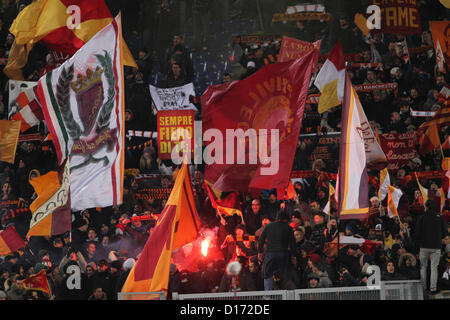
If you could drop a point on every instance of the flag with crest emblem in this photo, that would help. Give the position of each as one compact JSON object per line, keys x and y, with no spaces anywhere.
{"x":83,"y":106}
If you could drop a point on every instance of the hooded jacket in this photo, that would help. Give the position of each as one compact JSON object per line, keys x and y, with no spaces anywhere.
{"x":324,"y":281}
{"x":430,"y":230}
{"x":412,"y":272}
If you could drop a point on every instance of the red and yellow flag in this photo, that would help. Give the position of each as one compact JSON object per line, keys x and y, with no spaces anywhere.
{"x":54,"y":23}
{"x":177,"y":225}
{"x":394,"y":195}
{"x":53,"y":190}
{"x":430,"y":140}
{"x":38,"y":281}
{"x":439,"y":31}
{"x":9,"y":136}
{"x":10,"y":241}
{"x":228,"y":205}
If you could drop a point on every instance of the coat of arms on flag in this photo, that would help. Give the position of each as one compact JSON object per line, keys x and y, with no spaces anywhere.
{"x":82,"y":102}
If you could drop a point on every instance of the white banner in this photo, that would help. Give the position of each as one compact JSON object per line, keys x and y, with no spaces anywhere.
{"x":15,"y":87}
{"x":177,"y":98}
{"x":422,"y":113}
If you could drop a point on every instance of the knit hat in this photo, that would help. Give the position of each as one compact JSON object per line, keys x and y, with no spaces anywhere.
{"x":2,"y":294}
{"x":313,"y":275}
{"x":39,"y":266}
{"x":128,"y":264}
{"x":315,"y":257}
{"x":42,"y":253}
{"x":79,"y":223}
{"x":282,"y":215}
{"x":116,"y":264}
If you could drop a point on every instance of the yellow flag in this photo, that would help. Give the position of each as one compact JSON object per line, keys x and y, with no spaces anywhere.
{"x":9,"y":137}
{"x":423,"y":191}
{"x":361,"y":23}
{"x":17,"y":59}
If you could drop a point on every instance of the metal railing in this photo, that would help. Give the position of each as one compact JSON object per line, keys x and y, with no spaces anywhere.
{"x":387,"y":290}
{"x":157,"y":295}
{"x":344,"y":293}
{"x":239,"y":295}
{"x":402,"y":290}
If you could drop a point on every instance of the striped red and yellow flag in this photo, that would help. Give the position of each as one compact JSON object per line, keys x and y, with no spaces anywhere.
{"x":394,"y":195}
{"x":10,"y":241}
{"x":53,"y":190}
{"x":177,"y":226}
{"x":430,"y":140}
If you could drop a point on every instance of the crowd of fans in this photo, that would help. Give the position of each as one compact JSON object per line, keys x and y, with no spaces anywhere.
{"x":105,"y":248}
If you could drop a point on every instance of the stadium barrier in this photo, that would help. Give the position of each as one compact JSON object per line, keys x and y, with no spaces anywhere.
{"x":158,"y":295}
{"x":387,"y":290}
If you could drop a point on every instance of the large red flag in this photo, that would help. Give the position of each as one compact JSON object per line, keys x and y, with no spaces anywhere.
{"x":272,"y":98}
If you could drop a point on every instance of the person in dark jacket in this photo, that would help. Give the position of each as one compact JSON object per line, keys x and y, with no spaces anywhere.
{"x":127,"y":266}
{"x":280,"y":244}
{"x":430,"y":230}
{"x":407,"y":266}
{"x":390,"y":274}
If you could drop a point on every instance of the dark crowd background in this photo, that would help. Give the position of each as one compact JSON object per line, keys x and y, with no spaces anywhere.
{"x":178,"y":42}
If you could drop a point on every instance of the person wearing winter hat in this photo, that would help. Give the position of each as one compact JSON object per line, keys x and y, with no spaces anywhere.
{"x":79,"y":235}
{"x":313,"y":280}
{"x":39,"y":266}
{"x":128,"y":264}
{"x":251,"y":69}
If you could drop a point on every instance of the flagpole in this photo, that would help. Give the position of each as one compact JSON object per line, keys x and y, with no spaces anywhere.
{"x":442,"y":151}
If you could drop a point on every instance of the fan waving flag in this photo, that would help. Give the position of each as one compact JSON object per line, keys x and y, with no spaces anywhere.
{"x":331,"y":80}
{"x":51,"y":210}
{"x":177,"y":226}
{"x":423,"y":190}
{"x":228,"y":205}
{"x":394,"y":195}
{"x":63,"y":26}
{"x":385,"y":181}
{"x":38,"y":282}
{"x":83,"y":106}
